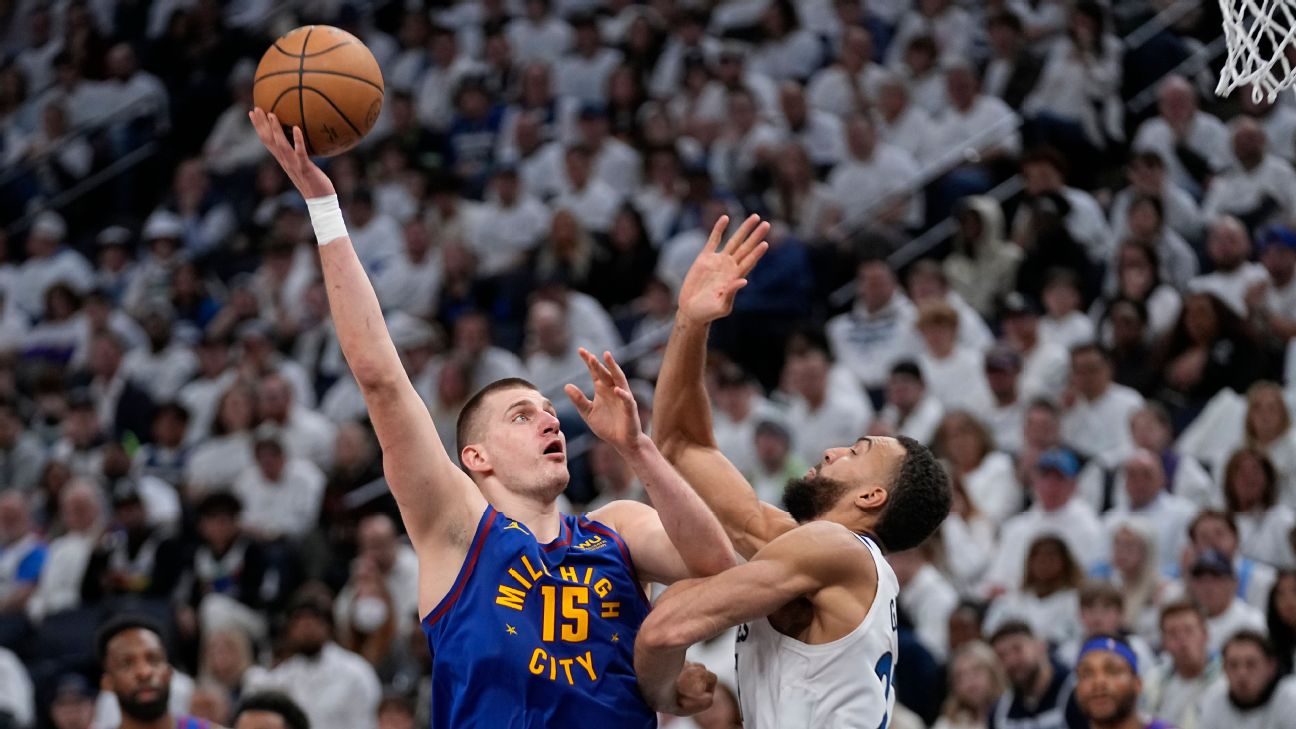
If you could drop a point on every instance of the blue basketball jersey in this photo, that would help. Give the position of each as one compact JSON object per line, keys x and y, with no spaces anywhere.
{"x":539,"y":635}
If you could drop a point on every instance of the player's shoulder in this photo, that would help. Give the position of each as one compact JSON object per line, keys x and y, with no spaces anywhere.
{"x":816,"y":540}
{"x":616,"y":514}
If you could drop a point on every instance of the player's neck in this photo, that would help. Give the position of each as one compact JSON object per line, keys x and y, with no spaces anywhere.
{"x":166,"y":721}
{"x":541,"y":518}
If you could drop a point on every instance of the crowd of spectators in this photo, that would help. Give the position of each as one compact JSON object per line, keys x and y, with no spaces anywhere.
{"x":1097,"y":340}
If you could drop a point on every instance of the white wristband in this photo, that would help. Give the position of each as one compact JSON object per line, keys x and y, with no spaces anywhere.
{"x":326,"y":217}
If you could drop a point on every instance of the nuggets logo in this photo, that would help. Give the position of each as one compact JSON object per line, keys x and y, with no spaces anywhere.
{"x":591,"y":544}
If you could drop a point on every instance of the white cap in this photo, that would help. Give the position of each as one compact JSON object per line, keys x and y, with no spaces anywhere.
{"x":162,"y":224}
{"x":49,"y":224}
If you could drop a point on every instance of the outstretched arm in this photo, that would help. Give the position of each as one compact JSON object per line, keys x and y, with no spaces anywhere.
{"x":679,"y":538}
{"x":438,"y":502}
{"x":682,"y":410}
{"x":790,"y":567}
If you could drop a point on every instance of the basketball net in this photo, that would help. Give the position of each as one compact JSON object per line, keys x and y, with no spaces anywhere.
{"x":1261,"y":37}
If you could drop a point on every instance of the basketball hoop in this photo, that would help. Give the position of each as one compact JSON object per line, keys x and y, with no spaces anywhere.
{"x":1261,"y":37}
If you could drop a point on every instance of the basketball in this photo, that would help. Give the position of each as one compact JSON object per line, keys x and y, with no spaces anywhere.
{"x":324,"y":80}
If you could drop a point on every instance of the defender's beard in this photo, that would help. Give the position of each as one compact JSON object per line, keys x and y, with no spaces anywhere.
{"x":809,"y":498}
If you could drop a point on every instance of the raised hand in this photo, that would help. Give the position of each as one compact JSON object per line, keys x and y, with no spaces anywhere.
{"x":613,"y":415}
{"x":716,"y":276}
{"x":695,"y":689}
{"x":309,"y":179}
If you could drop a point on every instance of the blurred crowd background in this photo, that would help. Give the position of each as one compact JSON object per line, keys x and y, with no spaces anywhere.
{"x":1025,"y":232}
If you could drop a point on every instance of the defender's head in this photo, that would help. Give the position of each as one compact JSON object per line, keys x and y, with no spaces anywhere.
{"x":893,"y":488}
{"x":510,"y":431}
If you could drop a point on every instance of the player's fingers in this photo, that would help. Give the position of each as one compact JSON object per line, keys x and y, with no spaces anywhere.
{"x":710,"y":681}
{"x":749,"y":243}
{"x":624,"y":395}
{"x":578,"y":399}
{"x":717,"y":234}
{"x":618,"y":375}
{"x":596,"y":368}
{"x":749,"y":261}
{"x":735,"y":286}
{"x":299,"y":145}
{"x":744,"y":230}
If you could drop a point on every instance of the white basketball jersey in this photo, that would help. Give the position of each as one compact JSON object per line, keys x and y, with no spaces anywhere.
{"x":846,"y":684}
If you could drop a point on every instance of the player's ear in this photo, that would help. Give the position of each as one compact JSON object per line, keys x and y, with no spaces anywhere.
{"x":473,"y":458}
{"x":872,"y":497}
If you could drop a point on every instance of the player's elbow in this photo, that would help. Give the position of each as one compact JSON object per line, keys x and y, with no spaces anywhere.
{"x":713,"y":562}
{"x":663,"y":632}
{"x":375,"y":379}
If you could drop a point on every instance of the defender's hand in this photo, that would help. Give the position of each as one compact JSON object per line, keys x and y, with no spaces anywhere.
{"x":695,"y":689}
{"x":309,"y":179}
{"x":613,"y":415}
{"x":716,"y":276}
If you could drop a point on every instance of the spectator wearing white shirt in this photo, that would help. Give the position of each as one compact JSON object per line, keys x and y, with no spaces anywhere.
{"x":1084,"y":220}
{"x":946,"y":22}
{"x":954,"y":373}
{"x":927,"y":282}
{"x":900,"y":122}
{"x":982,"y":267}
{"x":1256,"y":694}
{"x":818,"y":419}
{"x":337,"y":689}
{"x":908,"y":410}
{"x":1013,"y":70}
{"x":1063,"y":323}
{"x":378,"y":542}
{"x":1272,"y":306}
{"x":876,"y":333}
{"x":1006,"y":416}
{"x":1147,"y":175}
{"x":849,"y":85}
{"x":303,"y":431}
{"x":281,"y":495}
{"x":1096,"y":419}
{"x":874,"y":184}
{"x":434,"y":98}
{"x":820,"y":132}
{"x":1145,"y":224}
{"x":809,"y":206}
{"x":614,"y":161}
{"x":1185,"y":477}
{"x":17,"y":694}
{"x":59,"y":586}
{"x":583,"y":72}
{"x":1265,"y":527}
{"x":1143,"y":487}
{"x":689,"y":38}
{"x":412,"y":283}
{"x":986,"y":474}
{"x":1257,"y":186}
{"x":1267,"y":428}
{"x":1047,"y":598}
{"x":1194,"y":144}
{"x":1216,"y":530}
{"x":1234,"y":274}
{"x":539,"y":35}
{"x":1056,"y":510}
{"x":511,"y":226}
{"x":786,"y":50}
{"x":926,"y":596}
{"x":48,"y":263}
{"x":1173,"y":690}
{"x":551,"y":355}
{"x":973,"y":131}
{"x":594,"y":202}
{"x":1213,"y":585}
{"x":739,"y":408}
{"x":376,"y":236}
{"x":745,"y":144}
{"x":1278,"y":120}
{"x":166,"y":364}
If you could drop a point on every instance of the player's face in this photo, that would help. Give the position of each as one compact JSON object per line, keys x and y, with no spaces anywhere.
{"x":136,"y":669}
{"x":526,"y":447}
{"x":1106,"y":687}
{"x":844,"y":473}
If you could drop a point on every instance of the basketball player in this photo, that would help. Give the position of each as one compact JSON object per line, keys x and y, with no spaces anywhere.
{"x":816,"y":602}
{"x":135,"y":668}
{"x":1108,"y":685}
{"x":530,"y":615}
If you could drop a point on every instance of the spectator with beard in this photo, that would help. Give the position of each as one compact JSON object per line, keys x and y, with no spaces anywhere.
{"x":1255,"y":696}
{"x":337,"y":688}
{"x":1039,"y":689}
{"x":1108,"y":685}
{"x":135,"y":669}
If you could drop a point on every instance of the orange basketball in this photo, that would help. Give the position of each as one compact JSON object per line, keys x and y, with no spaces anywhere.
{"x":324,"y":80}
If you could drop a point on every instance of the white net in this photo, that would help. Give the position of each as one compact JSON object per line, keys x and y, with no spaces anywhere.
{"x":1261,"y":36}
